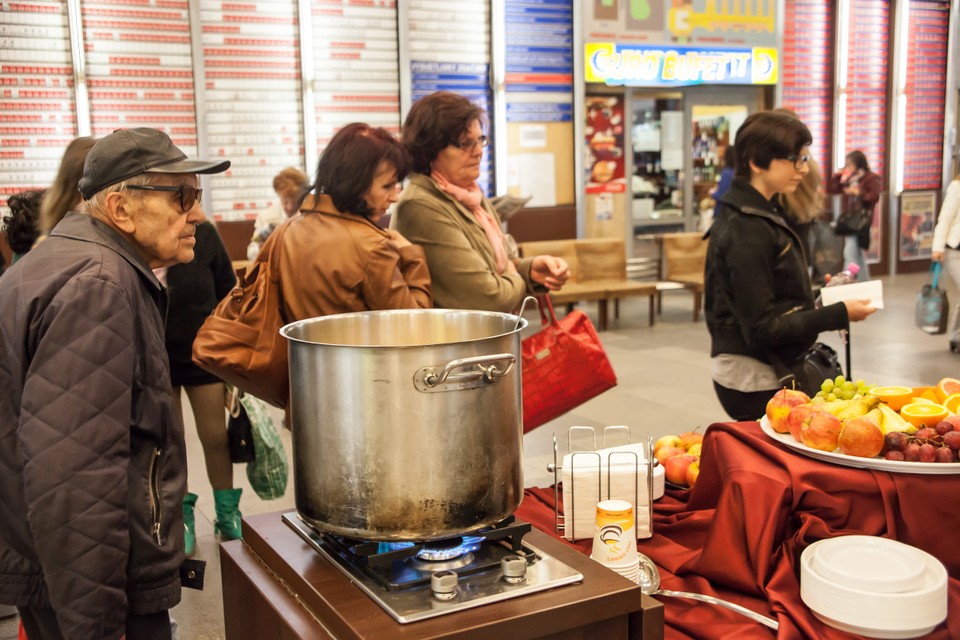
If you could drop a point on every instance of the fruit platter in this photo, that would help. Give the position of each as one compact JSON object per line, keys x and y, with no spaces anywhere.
{"x":890,"y":428}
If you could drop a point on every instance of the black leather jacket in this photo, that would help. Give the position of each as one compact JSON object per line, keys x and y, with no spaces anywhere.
{"x":757,"y":294}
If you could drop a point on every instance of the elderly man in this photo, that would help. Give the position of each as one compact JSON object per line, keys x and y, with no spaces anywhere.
{"x":92,"y":456}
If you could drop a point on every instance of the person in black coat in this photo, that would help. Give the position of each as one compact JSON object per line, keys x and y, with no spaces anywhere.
{"x":194,"y":290}
{"x":758,"y":300}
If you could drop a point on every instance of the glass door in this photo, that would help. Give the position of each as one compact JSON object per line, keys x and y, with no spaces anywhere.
{"x":657,"y":146}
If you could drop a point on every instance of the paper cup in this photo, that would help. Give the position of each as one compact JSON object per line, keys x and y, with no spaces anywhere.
{"x":615,"y":535}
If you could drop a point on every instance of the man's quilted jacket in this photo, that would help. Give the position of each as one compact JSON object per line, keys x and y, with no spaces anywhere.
{"x":92,"y":461}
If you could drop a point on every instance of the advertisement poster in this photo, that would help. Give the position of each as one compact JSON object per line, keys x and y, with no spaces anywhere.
{"x":918,"y":213}
{"x":604,"y":136}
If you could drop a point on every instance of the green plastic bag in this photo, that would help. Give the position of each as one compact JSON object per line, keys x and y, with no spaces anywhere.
{"x":267,"y":473}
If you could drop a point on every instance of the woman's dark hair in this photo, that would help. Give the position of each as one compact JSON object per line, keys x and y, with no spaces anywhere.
{"x":435,"y":122}
{"x":859,"y":160}
{"x":767,"y":136}
{"x":22,"y":223}
{"x":349,"y":163}
{"x":63,"y":195}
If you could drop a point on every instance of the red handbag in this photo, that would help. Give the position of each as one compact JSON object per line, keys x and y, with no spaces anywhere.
{"x":563,"y":366}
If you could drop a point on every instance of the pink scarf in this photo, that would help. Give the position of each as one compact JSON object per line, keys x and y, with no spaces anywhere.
{"x":472,"y":199}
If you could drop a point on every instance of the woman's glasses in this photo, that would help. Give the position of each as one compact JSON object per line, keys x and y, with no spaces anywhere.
{"x":470,"y":145}
{"x":189,"y":196}
{"x":798,"y":161}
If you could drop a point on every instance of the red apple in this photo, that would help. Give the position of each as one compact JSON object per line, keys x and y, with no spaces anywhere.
{"x":800,"y":414}
{"x":666,"y":441}
{"x":690,"y":438}
{"x":665,"y":453}
{"x":693,"y":472}
{"x":780,"y":405}
{"x":861,"y":437}
{"x":675,"y":468}
{"x":821,"y":430}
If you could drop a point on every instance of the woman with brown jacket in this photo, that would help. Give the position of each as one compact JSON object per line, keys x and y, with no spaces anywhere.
{"x":334,"y":258}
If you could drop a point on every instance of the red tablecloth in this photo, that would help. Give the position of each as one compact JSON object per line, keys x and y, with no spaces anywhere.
{"x":739,"y":533}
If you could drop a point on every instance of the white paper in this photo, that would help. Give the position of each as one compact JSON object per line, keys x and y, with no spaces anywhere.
{"x":646,"y":139}
{"x":603,"y":208}
{"x":871,"y":290}
{"x":533,"y":136}
{"x":537,"y":179}
{"x":671,"y":130}
{"x":671,"y":160}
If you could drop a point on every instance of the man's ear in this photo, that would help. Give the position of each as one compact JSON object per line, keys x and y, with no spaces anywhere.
{"x":119,"y":209}
{"x":754,"y":169}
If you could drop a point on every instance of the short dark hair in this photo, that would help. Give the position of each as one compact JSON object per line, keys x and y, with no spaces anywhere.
{"x":435,"y":122}
{"x":350,"y":161}
{"x":766,"y":136}
{"x":858,"y":159}
{"x":22,"y":223}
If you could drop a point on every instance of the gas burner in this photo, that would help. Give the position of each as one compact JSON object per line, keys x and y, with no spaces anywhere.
{"x":491,"y":565}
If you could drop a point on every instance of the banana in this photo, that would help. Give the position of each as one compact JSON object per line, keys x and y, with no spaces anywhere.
{"x":892,"y":421}
{"x":858,"y":407}
{"x":835,"y":406}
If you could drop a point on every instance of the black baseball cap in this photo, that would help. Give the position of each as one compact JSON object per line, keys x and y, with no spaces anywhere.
{"x":126,"y":153}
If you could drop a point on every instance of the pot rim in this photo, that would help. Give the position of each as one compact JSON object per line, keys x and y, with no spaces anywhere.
{"x":519,"y":323}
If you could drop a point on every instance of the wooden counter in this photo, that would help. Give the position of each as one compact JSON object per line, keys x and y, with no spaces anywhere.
{"x":276,"y":586}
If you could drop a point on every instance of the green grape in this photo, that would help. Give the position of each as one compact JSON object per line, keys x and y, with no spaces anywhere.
{"x":847,"y":395}
{"x":860,"y":383}
{"x":826,"y":386}
{"x":848,"y":386}
{"x":839,"y":380}
{"x":830,"y":397}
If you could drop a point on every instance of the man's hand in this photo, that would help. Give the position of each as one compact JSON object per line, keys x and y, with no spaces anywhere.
{"x":550,"y":271}
{"x":858,"y":310}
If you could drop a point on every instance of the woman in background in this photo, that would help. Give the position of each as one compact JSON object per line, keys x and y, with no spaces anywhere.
{"x":63,"y":196}
{"x":946,"y":235}
{"x":473,"y":264}
{"x":194,"y":289}
{"x":758,"y":300}
{"x":289,"y":185}
{"x":335,"y":258}
{"x":861,"y":190}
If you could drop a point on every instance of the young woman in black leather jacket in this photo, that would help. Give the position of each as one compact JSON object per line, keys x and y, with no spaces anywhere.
{"x":758,"y":298}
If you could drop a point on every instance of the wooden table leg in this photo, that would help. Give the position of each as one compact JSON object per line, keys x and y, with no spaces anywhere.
{"x":602,"y":313}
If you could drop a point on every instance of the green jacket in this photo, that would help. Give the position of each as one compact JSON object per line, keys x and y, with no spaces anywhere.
{"x":461,"y":261}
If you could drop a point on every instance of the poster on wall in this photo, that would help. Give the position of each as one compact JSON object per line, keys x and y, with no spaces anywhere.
{"x":918,"y":213}
{"x":682,"y":21}
{"x":603,"y":131}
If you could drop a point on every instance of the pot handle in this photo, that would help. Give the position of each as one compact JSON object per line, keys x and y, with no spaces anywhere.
{"x":483,"y":370}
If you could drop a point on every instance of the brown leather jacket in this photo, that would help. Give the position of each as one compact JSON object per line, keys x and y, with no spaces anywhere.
{"x":333,"y":262}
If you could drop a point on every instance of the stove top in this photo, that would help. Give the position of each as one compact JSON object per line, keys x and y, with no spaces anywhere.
{"x":416,"y":581}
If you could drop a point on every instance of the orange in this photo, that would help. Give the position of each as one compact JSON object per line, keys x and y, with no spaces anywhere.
{"x":894,"y":396}
{"x":925,"y":392}
{"x":945,"y":387}
{"x":952,"y":402}
{"x":922,"y":399}
{"x":923,"y":414}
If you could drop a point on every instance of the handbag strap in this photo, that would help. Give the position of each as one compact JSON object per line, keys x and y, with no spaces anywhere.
{"x":935,"y":270}
{"x":547,"y":314}
{"x":785,"y":377}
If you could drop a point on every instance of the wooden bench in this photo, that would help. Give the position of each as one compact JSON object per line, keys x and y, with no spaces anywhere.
{"x":598,"y":272}
{"x":684,"y":256}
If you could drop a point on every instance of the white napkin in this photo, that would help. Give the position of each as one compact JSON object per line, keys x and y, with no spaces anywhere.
{"x":584,"y":481}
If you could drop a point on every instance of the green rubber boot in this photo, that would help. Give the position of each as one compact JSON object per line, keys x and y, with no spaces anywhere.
{"x":227,"y":504}
{"x":189,"y":522}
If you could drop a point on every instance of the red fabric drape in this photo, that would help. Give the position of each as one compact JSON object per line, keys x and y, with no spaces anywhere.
{"x":739,"y":533}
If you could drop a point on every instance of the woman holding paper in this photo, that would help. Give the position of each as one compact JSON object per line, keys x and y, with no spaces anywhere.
{"x":946,"y":235}
{"x":758,"y":301}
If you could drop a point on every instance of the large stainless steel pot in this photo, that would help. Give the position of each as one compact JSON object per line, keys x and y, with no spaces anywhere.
{"x":406,"y":424}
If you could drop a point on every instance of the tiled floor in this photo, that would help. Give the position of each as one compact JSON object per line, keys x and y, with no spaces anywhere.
{"x":664,"y":387}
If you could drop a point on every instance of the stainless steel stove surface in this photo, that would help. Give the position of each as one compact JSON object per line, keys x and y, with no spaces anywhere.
{"x":416,"y":581}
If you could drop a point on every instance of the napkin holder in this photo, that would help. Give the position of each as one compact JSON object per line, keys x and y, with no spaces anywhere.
{"x":589,"y":475}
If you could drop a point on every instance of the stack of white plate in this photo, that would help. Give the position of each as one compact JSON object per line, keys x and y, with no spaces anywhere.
{"x":872,"y":586}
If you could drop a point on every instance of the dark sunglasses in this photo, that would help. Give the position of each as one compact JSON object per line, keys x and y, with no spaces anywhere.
{"x":189,"y":196}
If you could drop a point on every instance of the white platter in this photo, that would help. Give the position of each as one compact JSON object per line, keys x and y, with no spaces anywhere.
{"x":878,"y":464}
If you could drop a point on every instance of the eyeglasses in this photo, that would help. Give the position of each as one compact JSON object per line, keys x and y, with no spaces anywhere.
{"x":189,"y":196}
{"x":470,"y":145}
{"x":798,"y":161}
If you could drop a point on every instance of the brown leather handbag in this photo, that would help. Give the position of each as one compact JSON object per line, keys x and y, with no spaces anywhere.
{"x":240,"y":341}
